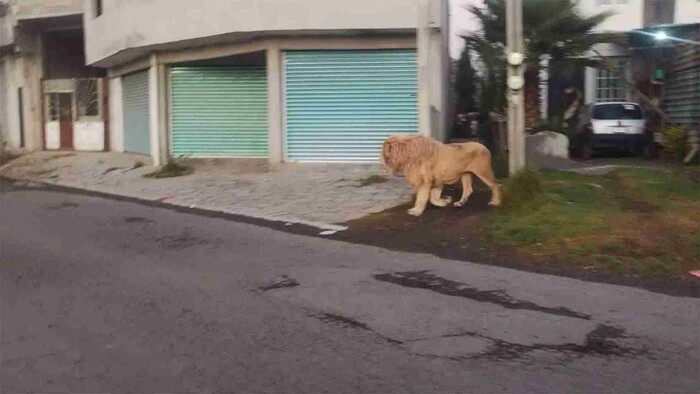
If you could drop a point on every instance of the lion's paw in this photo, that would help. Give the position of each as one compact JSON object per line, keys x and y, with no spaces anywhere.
{"x":459,"y":204}
{"x":415,"y":212}
{"x":443,"y":202}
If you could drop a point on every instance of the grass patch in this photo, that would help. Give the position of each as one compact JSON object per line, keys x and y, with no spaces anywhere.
{"x":371,"y":180}
{"x":524,"y":186}
{"x":660,"y":187}
{"x":546,"y":207}
{"x":175,"y":167}
{"x":633,"y":222}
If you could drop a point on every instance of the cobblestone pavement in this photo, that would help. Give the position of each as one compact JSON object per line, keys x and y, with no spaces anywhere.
{"x":316,"y":194}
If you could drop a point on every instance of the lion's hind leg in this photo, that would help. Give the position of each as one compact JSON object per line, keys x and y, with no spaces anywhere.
{"x":486,"y":175}
{"x":466,"y":189}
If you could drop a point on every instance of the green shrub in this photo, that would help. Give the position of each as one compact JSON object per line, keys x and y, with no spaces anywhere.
{"x":675,"y":142}
{"x":525,"y":185}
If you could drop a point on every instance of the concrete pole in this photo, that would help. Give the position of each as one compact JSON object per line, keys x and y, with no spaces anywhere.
{"x":516,"y":105}
{"x":154,"y":111}
{"x":275,"y":99}
{"x":424,"y":76}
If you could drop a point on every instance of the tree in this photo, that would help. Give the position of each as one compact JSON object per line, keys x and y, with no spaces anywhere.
{"x":465,"y":83}
{"x":551,"y":27}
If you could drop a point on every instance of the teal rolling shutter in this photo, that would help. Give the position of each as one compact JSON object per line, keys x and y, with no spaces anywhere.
{"x":137,"y":136}
{"x":219,"y":111}
{"x":341,"y":105}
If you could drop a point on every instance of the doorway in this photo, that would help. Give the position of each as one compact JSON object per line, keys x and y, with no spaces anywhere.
{"x":65,"y":110}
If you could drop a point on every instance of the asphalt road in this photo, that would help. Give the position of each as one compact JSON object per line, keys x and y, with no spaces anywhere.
{"x":99,"y":295}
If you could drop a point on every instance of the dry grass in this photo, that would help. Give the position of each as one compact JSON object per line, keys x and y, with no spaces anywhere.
{"x":174,"y":168}
{"x":371,"y":180}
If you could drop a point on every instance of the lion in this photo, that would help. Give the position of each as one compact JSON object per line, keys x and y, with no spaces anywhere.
{"x":428,"y":165}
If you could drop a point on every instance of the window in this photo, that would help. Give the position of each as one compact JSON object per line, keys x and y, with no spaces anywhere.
{"x":611,"y":84}
{"x":617,"y":112}
{"x":52,"y":107}
{"x":87,"y":98}
{"x":97,"y":7}
{"x":658,"y":12}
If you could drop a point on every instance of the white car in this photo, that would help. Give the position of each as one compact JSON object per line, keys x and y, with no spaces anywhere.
{"x":612,"y":125}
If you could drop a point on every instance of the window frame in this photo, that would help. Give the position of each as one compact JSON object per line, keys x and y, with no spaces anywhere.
{"x":611,"y":84}
{"x":78,"y":105}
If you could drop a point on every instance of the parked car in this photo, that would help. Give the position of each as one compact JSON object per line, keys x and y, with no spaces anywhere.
{"x":611,"y":125}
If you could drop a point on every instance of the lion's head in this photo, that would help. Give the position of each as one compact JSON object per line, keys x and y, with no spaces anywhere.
{"x":399,"y":150}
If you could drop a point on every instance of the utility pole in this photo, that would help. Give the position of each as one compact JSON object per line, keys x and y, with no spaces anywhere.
{"x":516,"y":83}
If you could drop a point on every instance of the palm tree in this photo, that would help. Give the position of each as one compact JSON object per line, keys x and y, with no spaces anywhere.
{"x":465,"y":82}
{"x":555,"y":28}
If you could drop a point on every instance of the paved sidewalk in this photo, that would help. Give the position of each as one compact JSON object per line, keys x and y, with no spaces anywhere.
{"x":322,"y":195}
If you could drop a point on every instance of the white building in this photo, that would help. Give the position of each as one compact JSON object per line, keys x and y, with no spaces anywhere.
{"x":629,"y":15}
{"x":49,"y":99}
{"x":293,"y":80}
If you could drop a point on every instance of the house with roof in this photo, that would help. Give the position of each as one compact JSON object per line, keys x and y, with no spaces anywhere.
{"x":662,"y":75}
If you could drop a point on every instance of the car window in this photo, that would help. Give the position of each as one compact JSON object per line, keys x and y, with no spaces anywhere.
{"x":617,"y":111}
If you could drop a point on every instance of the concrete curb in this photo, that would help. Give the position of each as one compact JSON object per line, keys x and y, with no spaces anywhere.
{"x":303,"y":226}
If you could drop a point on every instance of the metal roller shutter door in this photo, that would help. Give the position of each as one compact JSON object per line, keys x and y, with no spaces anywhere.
{"x":137,"y":136}
{"x":219,"y":111}
{"x":341,"y":105}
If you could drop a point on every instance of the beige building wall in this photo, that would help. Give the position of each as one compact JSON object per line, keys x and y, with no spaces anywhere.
{"x":23,"y":71}
{"x":138,"y":45}
{"x":627,"y":14}
{"x":129,"y":24}
{"x":687,"y":11}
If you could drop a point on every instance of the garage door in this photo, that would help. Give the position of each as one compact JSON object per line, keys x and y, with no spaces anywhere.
{"x":341,"y":105}
{"x":136,"y":116}
{"x":219,"y":111}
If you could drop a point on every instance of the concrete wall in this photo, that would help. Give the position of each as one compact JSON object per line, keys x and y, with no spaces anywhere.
{"x":89,"y":136}
{"x":13,"y":80}
{"x":628,"y":16}
{"x":687,"y":11}
{"x":128,"y":24}
{"x":6,"y":24}
{"x":32,"y":72}
{"x":116,"y":115}
{"x":3,"y":103}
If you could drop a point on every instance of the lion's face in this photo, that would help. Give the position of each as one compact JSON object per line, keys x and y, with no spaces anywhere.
{"x":388,"y":156}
